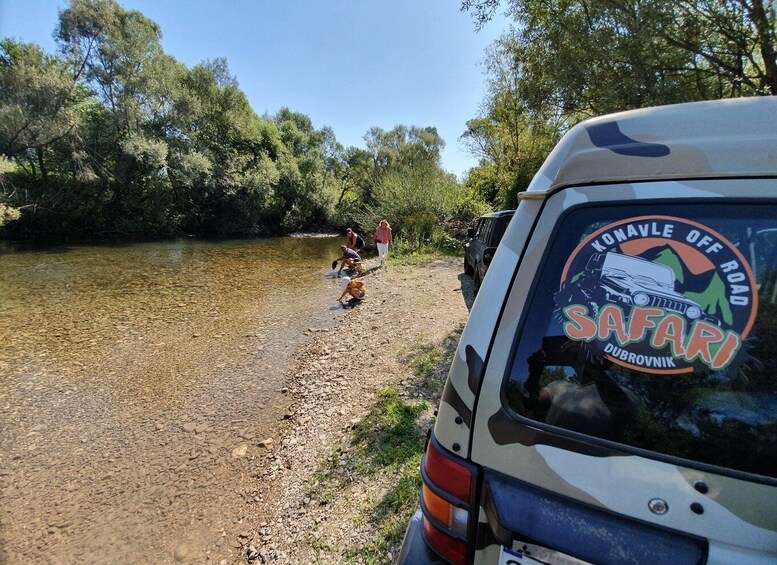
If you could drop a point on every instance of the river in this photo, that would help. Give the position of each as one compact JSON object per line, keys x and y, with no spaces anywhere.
{"x":136,"y":383}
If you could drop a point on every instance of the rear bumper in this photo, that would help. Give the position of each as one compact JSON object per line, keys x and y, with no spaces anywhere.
{"x":414,"y":549}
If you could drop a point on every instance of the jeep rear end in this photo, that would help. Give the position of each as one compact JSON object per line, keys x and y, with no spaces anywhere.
{"x":629,"y":434}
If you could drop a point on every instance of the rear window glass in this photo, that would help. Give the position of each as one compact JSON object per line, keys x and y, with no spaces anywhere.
{"x":656,"y":327}
{"x":500,"y":231}
{"x":488,"y":227}
{"x":479,"y":228}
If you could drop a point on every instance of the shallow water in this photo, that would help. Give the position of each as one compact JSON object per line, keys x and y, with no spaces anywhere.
{"x":110,"y":356}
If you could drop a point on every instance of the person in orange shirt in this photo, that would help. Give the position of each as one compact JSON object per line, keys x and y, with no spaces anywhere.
{"x":383,"y":237}
{"x":353,"y":287}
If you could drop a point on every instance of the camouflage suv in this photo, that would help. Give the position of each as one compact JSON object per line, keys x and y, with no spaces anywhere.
{"x":613,"y":398}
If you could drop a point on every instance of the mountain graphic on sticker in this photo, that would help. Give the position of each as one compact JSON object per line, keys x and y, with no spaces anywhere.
{"x":707,"y":289}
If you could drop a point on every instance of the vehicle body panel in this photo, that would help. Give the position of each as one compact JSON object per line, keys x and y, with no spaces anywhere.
{"x":648,"y":157}
{"x":744,"y":519}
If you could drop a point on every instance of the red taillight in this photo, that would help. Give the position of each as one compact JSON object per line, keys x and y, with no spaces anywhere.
{"x":447,"y":474}
{"x":445,"y":497}
{"x":453,"y":550}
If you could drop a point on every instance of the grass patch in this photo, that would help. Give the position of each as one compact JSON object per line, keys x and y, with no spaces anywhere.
{"x":388,"y":442}
{"x":414,"y":259}
{"x":393,"y":514}
{"x":430,"y":364}
{"x":406,"y":255}
{"x":389,"y":436}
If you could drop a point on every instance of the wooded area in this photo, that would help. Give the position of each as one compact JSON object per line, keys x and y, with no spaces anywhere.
{"x":567,"y":60}
{"x":112,"y":137}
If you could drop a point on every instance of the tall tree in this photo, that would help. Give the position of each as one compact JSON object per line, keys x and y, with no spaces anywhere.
{"x":39,"y":104}
{"x":519,"y":124}
{"x":659,"y":51}
{"x":225,"y":157}
{"x":118,"y":56}
{"x":404,"y":146}
{"x":308,"y":190}
{"x":565,"y":60}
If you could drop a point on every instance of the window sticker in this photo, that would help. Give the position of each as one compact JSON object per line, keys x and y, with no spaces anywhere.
{"x":658,"y":294}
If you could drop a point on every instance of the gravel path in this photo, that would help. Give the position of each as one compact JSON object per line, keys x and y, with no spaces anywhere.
{"x":333,"y":384}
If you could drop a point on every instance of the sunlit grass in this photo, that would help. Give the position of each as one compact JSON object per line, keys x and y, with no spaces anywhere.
{"x":389,"y":442}
{"x":389,"y":435}
{"x":414,"y":259}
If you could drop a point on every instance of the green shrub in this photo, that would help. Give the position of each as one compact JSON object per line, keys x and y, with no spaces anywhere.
{"x":427,"y":208}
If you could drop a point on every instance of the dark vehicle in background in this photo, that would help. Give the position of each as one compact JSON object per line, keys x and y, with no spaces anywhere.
{"x":483,"y":240}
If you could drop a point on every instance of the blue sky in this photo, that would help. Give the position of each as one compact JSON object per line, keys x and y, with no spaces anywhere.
{"x":349,"y":64}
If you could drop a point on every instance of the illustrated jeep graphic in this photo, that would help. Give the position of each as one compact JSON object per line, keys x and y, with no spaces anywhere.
{"x":614,"y":278}
{"x":634,"y":281}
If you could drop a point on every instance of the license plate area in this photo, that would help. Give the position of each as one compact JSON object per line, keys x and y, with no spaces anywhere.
{"x":536,"y":555}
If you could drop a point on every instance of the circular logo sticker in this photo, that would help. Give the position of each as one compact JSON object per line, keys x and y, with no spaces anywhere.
{"x":658,"y":294}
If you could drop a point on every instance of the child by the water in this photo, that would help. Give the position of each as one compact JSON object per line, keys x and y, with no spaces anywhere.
{"x":353,"y":287}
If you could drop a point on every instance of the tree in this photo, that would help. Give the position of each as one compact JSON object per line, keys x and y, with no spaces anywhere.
{"x":403,"y":181}
{"x":404,"y":146}
{"x":307,"y":193}
{"x":566,"y":60}
{"x":117,"y":55}
{"x":39,"y":104}
{"x":659,"y":51}
{"x":519,"y":124}
{"x":225,"y":158}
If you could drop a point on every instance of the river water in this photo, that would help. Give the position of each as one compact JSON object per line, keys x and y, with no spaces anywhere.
{"x":136,"y":383}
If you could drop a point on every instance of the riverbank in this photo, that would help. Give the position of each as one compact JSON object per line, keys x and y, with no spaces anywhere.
{"x":173,"y":403}
{"x":342,"y":475}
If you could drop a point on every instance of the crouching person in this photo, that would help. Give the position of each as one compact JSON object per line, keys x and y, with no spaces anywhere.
{"x":351,"y":259}
{"x":353,"y":287}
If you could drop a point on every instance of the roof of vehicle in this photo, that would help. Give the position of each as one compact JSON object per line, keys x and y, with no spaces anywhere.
{"x":499,"y":214}
{"x":714,"y":139}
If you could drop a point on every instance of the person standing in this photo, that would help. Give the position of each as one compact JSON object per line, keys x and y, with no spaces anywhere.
{"x":354,"y":240}
{"x":383,"y":237}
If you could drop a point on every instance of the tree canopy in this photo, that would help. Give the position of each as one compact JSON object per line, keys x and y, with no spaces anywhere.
{"x":566,"y":60}
{"x":112,"y":137}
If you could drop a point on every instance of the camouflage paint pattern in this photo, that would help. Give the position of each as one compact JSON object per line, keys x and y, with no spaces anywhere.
{"x":739,"y":518}
{"x":696,"y":140}
{"x":460,"y":390}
